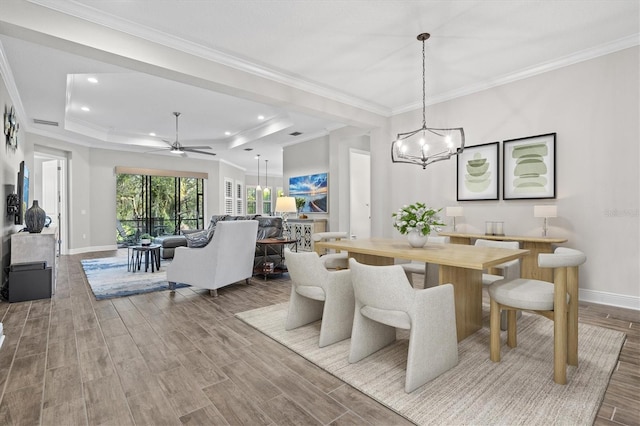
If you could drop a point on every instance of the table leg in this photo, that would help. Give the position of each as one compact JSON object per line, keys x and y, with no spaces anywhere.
{"x":146,"y":260}
{"x":467,"y":289}
{"x":129,"y":258}
{"x":157,"y":254}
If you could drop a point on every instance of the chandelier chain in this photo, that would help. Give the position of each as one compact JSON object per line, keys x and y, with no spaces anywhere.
{"x":424,"y":90}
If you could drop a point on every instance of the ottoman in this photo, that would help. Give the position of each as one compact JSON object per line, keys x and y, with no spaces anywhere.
{"x":168,"y":243}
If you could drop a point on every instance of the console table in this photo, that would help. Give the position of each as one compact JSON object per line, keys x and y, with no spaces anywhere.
{"x":529,"y":265}
{"x":303,"y":229}
{"x":40,"y":247}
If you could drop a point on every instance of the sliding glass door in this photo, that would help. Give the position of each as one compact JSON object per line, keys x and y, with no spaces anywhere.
{"x":158,"y":205}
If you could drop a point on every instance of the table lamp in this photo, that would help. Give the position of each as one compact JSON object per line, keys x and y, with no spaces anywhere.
{"x":454,"y":212}
{"x":285,"y":205}
{"x":545,"y":212}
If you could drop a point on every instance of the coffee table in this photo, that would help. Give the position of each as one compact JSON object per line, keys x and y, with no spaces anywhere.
{"x":151,"y":256}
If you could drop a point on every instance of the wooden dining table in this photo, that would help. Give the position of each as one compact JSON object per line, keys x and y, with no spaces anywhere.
{"x":460,"y":265}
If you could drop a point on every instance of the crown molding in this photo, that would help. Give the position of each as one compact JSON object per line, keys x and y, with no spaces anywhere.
{"x":12,"y":90}
{"x":87,"y":13}
{"x":574,"y":58}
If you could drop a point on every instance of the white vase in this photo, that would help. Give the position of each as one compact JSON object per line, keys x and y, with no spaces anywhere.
{"x":416,"y":239}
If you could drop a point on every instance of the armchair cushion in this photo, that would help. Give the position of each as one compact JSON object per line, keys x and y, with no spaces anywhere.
{"x":199,"y":238}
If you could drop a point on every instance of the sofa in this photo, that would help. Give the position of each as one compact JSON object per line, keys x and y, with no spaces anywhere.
{"x":268,"y":227}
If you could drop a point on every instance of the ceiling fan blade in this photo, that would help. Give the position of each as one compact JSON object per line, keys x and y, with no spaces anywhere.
{"x":156,"y":150}
{"x":199,"y":152}
{"x":196,"y":147}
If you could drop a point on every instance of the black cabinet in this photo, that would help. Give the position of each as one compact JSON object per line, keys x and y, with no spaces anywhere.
{"x":29,"y":281}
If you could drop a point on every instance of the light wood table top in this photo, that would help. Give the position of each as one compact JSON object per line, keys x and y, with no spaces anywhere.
{"x":529,"y":265}
{"x":549,"y":240}
{"x":457,"y":255}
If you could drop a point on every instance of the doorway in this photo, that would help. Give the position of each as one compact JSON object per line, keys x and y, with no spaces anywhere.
{"x":50,"y":189}
{"x":360,"y":194}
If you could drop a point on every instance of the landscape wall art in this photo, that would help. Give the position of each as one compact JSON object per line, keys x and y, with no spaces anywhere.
{"x":314,"y":189}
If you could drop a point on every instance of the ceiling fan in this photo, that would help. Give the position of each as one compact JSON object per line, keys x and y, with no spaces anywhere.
{"x":177,"y":148}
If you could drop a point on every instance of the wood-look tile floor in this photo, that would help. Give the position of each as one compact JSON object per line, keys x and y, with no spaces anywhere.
{"x":183,"y":358}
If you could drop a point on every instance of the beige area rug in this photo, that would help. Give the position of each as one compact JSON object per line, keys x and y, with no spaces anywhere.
{"x":518,"y":390}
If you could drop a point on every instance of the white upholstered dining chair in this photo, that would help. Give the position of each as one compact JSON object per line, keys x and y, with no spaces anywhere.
{"x":316,"y":293}
{"x":557,"y":301}
{"x":333,"y":259}
{"x":385,"y":301}
{"x":429,"y":271}
{"x":508,"y":270}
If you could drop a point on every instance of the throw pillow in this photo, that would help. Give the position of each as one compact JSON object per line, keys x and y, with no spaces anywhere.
{"x":200,"y":238}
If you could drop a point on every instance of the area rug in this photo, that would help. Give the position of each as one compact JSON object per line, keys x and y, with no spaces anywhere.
{"x":518,"y":390}
{"x":109,"y":278}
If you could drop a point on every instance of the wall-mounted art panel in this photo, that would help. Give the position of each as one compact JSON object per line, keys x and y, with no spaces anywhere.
{"x":478,"y":173}
{"x":529,"y":167}
{"x":314,"y":189}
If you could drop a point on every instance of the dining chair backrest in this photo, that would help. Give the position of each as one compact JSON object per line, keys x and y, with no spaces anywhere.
{"x":383,"y":287}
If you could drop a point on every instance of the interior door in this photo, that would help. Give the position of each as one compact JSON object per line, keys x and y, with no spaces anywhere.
{"x":360,"y":194}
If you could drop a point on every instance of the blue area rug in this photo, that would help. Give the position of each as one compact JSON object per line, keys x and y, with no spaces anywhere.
{"x":109,"y":278}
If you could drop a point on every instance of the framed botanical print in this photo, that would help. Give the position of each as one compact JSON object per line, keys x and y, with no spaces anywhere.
{"x":529,"y":168}
{"x":478,"y":172}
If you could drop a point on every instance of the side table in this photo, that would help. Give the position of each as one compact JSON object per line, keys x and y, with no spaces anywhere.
{"x":268,"y":267}
{"x":151,"y":256}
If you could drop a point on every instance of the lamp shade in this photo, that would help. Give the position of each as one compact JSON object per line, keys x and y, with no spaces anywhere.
{"x":454,"y":211}
{"x":286,"y":205}
{"x":545,"y":211}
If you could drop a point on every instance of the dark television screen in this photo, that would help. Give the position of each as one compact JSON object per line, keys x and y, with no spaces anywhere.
{"x":23,"y":193}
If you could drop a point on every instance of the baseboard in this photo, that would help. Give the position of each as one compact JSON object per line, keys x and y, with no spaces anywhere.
{"x":92,"y":249}
{"x":611,"y":299}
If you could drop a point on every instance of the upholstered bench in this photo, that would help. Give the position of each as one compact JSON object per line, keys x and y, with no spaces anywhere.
{"x":168,"y":243}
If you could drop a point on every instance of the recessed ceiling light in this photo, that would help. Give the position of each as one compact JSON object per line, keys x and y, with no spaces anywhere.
{"x":85,"y":108}
{"x":248,"y":149}
{"x":227,"y":133}
{"x":92,"y":80}
{"x":261,"y":117}
{"x":152,"y":134}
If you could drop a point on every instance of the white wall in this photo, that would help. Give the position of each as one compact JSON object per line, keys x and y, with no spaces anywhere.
{"x":307,"y":158}
{"x":593,"y":107}
{"x":92,"y":183}
{"x":9,"y":164}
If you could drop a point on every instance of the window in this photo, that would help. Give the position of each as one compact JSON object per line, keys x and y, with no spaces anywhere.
{"x":252,"y":202}
{"x":239,"y":198}
{"x":158,"y":204}
{"x":266,"y":201}
{"x":228,"y":196}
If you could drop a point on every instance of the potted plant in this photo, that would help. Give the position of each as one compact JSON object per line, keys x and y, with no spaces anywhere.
{"x":145,"y":239}
{"x":300,"y":202}
{"x":416,"y":220}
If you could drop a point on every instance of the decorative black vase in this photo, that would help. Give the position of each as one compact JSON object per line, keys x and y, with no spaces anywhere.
{"x":34,"y":218}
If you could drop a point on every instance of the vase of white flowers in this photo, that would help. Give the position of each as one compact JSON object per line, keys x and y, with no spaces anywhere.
{"x":416,"y":220}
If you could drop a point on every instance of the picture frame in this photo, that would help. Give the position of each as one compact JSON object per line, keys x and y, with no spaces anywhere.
{"x":529,"y":167}
{"x":478,"y":172}
{"x":314,"y":189}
